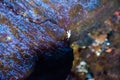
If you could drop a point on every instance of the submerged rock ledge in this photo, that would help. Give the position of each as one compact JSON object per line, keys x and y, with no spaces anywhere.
{"x":32,"y":30}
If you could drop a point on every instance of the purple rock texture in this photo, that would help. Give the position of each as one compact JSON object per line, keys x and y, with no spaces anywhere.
{"x":30,"y":28}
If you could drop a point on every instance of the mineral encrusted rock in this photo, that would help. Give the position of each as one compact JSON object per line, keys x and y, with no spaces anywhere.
{"x":31,"y":28}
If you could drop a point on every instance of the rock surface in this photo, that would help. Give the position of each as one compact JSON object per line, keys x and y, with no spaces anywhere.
{"x":31,"y":28}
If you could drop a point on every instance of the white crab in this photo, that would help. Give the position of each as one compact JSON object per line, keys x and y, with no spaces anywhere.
{"x":68,"y":34}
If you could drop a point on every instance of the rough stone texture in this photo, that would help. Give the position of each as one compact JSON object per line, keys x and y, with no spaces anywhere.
{"x":106,"y":66}
{"x":30,"y":28}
